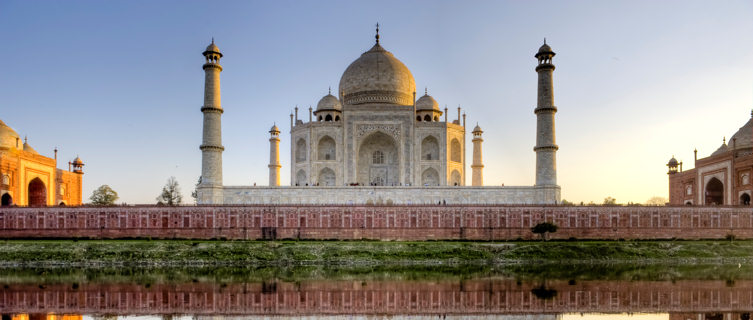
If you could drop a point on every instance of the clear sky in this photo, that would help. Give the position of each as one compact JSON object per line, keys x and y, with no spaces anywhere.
{"x":120,"y":82}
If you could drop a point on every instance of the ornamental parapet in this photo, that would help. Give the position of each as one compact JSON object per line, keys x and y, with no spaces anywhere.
{"x":212,"y":109}
{"x":209,"y":147}
{"x":552,"y":147}
{"x":211,"y":66}
{"x":378,"y":96}
{"x":545,"y":66}
{"x":543,"y":109}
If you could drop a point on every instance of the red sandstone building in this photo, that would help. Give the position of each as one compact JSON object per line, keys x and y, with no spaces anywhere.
{"x":723,"y":178}
{"x":28,"y":178}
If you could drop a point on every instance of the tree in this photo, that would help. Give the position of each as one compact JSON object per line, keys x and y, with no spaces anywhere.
{"x":543,"y":228}
{"x":566,"y":203}
{"x":170,"y":193}
{"x":609,"y":201}
{"x":195,"y":192}
{"x":657,"y":201}
{"x":104,"y":196}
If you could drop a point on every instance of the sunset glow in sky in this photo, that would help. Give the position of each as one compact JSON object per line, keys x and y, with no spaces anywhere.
{"x":120,"y":82}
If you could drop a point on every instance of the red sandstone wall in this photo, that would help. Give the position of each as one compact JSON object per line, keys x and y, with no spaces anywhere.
{"x":481,"y":296}
{"x":377,"y":222}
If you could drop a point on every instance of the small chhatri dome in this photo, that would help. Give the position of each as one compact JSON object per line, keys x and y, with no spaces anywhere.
{"x":722,"y":149}
{"x":329,"y":102}
{"x":673,"y":162}
{"x":8,"y":136}
{"x":274,"y":129}
{"x":545,"y":49}
{"x":28,"y":148}
{"x":477,"y":129}
{"x":427,"y":102}
{"x":212,"y":48}
{"x":377,"y":77}
{"x":78,"y":161}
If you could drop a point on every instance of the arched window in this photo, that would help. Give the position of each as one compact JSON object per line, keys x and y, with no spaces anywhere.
{"x":745,"y":199}
{"x":328,"y":117}
{"x":6,"y":200}
{"x":326,"y":148}
{"x":418,"y":118}
{"x":455,"y":178}
{"x":377,"y":157}
{"x":300,"y":150}
{"x":320,"y":118}
{"x":326,"y":177}
{"x":429,"y":148}
{"x":300,"y":178}
{"x":337,"y":118}
{"x":6,"y":179}
{"x":455,"y":150}
{"x":436,"y":118}
{"x":427,"y":118}
{"x":430,"y":177}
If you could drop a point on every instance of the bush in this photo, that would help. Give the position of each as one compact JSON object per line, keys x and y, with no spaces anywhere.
{"x":543,"y":228}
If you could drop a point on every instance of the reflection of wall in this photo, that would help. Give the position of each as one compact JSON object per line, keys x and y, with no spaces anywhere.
{"x":436,"y":297}
{"x":379,"y":222}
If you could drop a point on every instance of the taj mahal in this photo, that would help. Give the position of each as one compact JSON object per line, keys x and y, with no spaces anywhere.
{"x":375,"y":142}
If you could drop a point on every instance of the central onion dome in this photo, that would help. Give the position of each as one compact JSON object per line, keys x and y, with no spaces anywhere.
{"x":377,"y":77}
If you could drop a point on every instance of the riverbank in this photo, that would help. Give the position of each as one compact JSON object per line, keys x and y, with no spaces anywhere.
{"x":98,"y":253}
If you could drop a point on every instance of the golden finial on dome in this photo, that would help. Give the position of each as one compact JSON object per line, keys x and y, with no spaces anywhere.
{"x":377,"y":33}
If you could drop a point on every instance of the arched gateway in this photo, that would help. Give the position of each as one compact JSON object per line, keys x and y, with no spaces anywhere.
{"x":714,"y":192}
{"x":378,"y":161}
{"x":37,"y":193}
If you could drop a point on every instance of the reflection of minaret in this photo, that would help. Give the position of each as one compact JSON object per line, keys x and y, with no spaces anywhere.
{"x":274,"y":157}
{"x":477,"y":166}
{"x":210,"y":189}
{"x":546,"y":147}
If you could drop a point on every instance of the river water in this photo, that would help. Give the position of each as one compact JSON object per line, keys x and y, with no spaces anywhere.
{"x":516,"y":292}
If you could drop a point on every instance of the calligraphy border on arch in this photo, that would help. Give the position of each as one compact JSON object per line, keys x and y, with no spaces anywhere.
{"x":391,"y":129}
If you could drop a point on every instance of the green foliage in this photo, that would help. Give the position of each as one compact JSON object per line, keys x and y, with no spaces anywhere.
{"x":543,"y":228}
{"x":609,"y":201}
{"x":566,"y":203}
{"x":258,"y":254}
{"x":195,"y":193}
{"x":170,"y":193}
{"x":657,"y":201}
{"x":104,"y":196}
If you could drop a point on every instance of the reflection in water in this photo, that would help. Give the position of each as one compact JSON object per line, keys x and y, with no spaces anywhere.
{"x":48,"y":294}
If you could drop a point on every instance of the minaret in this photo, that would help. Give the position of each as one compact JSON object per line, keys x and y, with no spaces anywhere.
{"x":546,"y":147}
{"x":274,"y":157}
{"x":478,"y":167}
{"x":210,"y":188}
